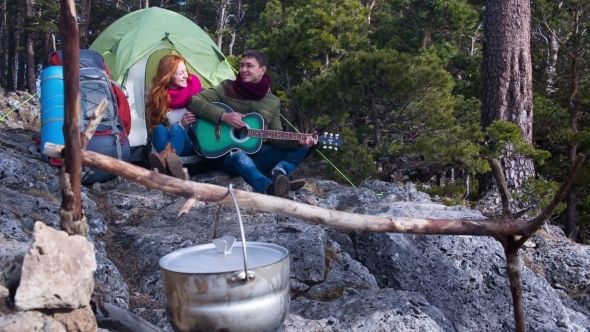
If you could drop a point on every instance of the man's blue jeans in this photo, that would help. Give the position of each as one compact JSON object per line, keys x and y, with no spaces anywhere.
{"x":176,"y":136}
{"x":252,"y":168}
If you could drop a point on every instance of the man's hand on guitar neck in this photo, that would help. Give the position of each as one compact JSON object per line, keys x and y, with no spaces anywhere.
{"x":309,"y":140}
{"x":233,"y":119}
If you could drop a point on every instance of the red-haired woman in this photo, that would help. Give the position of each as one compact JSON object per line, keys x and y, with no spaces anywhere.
{"x":168,"y":120}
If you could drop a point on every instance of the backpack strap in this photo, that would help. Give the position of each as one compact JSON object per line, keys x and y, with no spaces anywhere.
{"x":119,"y":151}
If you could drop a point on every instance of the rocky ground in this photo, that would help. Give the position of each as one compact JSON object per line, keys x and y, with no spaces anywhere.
{"x":340,"y":280}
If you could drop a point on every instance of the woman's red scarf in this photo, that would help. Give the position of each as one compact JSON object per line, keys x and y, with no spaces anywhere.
{"x":252,"y":91}
{"x":179,"y":97}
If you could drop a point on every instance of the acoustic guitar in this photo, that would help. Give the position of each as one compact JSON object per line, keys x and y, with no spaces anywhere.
{"x":215,"y":140}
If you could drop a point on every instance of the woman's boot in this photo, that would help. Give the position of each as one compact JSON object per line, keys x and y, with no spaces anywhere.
{"x":157,"y":162}
{"x":174,"y":164}
{"x":167,"y":162}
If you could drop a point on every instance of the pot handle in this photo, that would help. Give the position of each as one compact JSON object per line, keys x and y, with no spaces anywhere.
{"x":247,"y":275}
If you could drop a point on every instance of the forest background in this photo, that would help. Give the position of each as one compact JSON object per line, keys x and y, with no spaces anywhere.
{"x":402,"y":81}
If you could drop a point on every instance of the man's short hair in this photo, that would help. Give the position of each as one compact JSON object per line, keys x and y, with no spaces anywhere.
{"x":258,"y":55}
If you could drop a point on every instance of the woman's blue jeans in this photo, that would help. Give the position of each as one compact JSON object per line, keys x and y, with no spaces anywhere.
{"x":255,"y":168}
{"x":176,"y":136}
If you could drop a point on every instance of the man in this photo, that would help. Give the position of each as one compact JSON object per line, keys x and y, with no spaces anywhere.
{"x":266,"y":170}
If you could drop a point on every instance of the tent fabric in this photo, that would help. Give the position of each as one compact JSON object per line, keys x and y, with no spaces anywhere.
{"x":133,"y":45}
{"x":134,"y":36}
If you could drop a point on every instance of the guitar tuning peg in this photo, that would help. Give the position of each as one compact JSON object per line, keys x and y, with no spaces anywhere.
{"x":331,"y":135}
{"x":325,"y":133}
{"x":337,"y":135}
{"x":324,"y":147}
{"x":335,"y":149}
{"x":330,"y":147}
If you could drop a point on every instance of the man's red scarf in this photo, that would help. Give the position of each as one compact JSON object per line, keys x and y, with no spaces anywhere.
{"x":179,"y":97}
{"x":252,"y":91}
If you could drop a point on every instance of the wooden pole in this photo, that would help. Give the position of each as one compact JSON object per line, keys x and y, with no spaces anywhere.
{"x":512,"y":244}
{"x":71,"y":205}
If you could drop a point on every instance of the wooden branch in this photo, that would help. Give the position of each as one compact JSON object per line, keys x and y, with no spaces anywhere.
{"x":68,"y":30}
{"x":502,"y":187}
{"x":515,"y":279}
{"x":511,"y":244}
{"x":68,"y":223}
{"x":216,"y":194}
{"x":186,"y":207}
{"x":90,"y":129}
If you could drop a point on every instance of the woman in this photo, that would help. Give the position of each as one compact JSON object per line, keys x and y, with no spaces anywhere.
{"x":168,"y":120}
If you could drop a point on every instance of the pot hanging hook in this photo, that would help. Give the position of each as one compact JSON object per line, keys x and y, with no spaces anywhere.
{"x":246,"y":275}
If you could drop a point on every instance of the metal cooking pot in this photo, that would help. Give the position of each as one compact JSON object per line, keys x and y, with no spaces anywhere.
{"x":216,"y":287}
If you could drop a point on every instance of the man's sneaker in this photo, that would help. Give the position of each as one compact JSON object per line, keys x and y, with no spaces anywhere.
{"x":296,"y":184}
{"x":279,"y":186}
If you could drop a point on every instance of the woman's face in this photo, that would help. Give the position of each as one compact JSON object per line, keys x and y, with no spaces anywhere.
{"x":179,"y":79}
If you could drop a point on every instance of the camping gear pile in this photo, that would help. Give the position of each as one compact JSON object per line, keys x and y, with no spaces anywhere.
{"x":110,"y":137}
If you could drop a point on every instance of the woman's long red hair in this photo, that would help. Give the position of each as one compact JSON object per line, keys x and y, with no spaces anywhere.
{"x":158,"y":100}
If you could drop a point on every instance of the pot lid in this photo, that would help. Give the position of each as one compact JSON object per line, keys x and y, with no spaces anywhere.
{"x":207,"y":259}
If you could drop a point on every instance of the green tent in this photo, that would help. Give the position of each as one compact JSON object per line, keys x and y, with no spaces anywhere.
{"x":134,"y":44}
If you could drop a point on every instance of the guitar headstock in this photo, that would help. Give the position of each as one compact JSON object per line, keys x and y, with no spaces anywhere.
{"x":330,"y":141}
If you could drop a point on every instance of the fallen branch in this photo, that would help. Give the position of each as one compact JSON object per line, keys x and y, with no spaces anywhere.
{"x":339,"y":219}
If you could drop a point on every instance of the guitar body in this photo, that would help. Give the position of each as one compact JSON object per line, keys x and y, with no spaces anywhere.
{"x":215,"y":145}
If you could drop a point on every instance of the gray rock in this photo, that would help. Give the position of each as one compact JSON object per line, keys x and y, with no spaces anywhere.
{"x":12,"y":254}
{"x":564,"y":264}
{"x":372,"y":310}
{"x":464,"y":277}
{"x":54,"y":274}
{"x":29,"y":321}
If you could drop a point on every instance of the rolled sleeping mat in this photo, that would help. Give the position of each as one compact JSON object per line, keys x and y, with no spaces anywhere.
{"x":52,"y":106}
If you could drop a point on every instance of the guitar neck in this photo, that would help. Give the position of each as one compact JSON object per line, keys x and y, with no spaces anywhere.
{"x":284,"y":135}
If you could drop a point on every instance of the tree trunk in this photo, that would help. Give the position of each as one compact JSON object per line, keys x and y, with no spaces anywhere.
{"x":21,"y":64}
{"x":551,"y":71}
{"x":426,"y":35}
{"x":237,"y":22}
{"x":3,"y":43}
{"x":85,"y":8}
{"x":571,"y":224}
{"x":370,"y":5}
{"x":221,"y":22}
{"x":508,"y":92}
{"x":31,"y":70}
{"x":230,"y":48}
{"x":13,"y":43}
{"x":377,"y":125}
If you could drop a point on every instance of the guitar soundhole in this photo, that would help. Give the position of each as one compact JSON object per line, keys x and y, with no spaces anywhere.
{"x":240,"y":135}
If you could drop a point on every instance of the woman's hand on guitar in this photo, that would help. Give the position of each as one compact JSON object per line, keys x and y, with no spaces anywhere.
{"x":187,"y":119}
{"x":233,"y":119}
{"x":309,"y":140}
